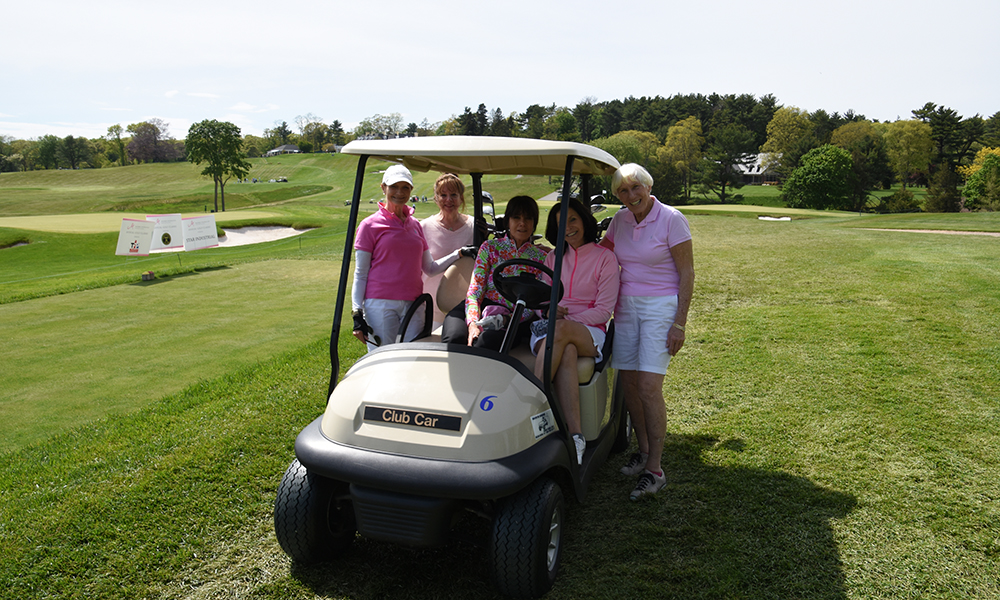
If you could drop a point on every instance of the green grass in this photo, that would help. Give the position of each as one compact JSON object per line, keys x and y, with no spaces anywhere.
{"x":833,"y":430}
{"x":114,"y":348}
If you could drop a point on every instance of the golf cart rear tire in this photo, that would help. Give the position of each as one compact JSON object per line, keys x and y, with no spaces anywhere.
{"x":311,"y":520}
{"x":526,"y":541}
{"x":623,"y":437}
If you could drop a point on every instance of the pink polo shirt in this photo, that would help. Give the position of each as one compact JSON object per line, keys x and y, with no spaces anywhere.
{"x":397,"y":247}
{"x":643,"y":249}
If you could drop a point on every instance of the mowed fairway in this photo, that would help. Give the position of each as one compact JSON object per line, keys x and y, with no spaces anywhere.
{"x":833,"y":420}
{"x":69,"y":359}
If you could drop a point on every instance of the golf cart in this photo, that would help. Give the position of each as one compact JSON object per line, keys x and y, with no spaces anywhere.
{"x":419,"y":433}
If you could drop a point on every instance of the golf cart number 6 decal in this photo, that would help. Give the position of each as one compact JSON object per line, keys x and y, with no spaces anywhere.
{"x":487,"y":403}
{"x":383,"y":414}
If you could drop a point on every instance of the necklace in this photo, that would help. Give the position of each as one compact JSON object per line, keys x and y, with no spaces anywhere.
{"x":451,"y":227}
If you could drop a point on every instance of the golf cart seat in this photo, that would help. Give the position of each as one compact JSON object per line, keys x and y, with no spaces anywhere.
{"x":454,"y":285}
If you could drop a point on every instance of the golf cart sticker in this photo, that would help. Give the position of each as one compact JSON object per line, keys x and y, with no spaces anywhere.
{"x":543,"y":423}
{"x":487,"y":403}
{"x":381,"y":414}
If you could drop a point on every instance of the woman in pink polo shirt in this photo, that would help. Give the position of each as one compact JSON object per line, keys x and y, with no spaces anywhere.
{"x":653,"y":244}
{"x":590,"y":289}
{"x":390,"y":253}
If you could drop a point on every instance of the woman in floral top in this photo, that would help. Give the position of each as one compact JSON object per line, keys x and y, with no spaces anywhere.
{"x":522,"y":218}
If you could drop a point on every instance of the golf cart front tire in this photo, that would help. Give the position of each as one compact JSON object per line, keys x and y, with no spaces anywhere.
{"x":312,"y":521}
{"x":526,"y":541}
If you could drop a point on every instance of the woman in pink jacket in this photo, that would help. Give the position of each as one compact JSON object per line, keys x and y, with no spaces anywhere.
{"x":590,"y":291}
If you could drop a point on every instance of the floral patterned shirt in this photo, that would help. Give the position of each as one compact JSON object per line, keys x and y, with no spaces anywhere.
{"x":492,"y":253}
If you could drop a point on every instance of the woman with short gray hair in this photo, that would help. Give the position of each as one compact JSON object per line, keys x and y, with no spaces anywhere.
{"x":652,"y":242}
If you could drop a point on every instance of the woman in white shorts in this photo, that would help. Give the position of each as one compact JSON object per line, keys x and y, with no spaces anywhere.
{"x":590,"y":289}
{"x":653,"y":244}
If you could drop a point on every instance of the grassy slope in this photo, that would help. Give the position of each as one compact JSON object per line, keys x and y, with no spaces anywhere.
{"x":833,"y":434}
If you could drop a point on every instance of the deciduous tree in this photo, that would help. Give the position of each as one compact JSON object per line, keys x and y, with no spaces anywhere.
{"x":151,"y":142}
{"x":219,"y":145}
{"x":869,"y":160}
{"x":683,"y":150}
{"x":380,"y":126}
{"x":73,"y":151}
{"x":114,"y":136}
{"x":824,"y":180}
{"x":48,"y":151}
{"x":561,"y":126}
{"x":982,"y":184}
{"x":786,"y":132}
{"x":909,"y":146}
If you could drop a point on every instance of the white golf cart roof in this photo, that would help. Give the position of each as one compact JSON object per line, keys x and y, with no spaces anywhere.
{"x":463,"y":154}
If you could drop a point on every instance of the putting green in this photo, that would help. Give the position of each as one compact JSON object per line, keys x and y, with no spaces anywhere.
{"x":765,"y":210}
{"x":104,"y":222}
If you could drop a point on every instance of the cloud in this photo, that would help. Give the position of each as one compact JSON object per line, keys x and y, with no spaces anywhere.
{"x":244,"y":107}
{"x":171,"y":93}
{"x":203,"y":95}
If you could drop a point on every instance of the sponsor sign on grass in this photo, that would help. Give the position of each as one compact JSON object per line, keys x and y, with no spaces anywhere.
{"x":168,"y":233}
{"x":134,"y":238}
{"x":199,"y":232}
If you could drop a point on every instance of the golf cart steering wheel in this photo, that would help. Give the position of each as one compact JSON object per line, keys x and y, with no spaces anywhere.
{"x":526,"y":287}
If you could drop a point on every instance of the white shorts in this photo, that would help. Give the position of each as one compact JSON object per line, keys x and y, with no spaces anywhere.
{"x":596,"y":335}
{"x":385,"y":317}
{"x":641,"y":326}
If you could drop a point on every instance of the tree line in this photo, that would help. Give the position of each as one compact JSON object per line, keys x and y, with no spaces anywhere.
{"x":691,"y":143}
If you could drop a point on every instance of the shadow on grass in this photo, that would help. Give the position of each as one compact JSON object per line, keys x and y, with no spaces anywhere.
{"x":712,"y":532}
{"x":166,"y":278}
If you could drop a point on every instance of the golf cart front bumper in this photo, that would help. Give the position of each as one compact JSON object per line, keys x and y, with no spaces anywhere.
{"x":419,"y":476}
{"x":412,"y":500}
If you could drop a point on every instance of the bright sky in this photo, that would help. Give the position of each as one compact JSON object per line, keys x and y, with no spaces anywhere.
{"x":75,"y":68}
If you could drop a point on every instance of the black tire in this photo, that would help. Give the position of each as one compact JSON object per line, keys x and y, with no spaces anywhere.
{"x":623,"y":436}
{"x":313,"y":520}
{"x":526,"y":541}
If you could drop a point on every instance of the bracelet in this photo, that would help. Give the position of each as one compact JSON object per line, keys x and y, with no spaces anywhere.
{"x":681,"y":327}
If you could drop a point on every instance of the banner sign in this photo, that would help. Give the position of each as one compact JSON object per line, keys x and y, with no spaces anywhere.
{"x":135,"y":237}
{"x":199,"y":232}
{"x":167,"y":235}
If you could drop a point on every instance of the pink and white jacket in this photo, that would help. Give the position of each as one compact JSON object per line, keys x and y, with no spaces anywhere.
{"x":590,"y":278}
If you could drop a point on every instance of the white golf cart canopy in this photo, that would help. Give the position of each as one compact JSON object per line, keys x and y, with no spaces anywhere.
{"x":463,"y":154}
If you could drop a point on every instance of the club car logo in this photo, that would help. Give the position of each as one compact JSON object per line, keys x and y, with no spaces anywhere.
{"x":382,"y":414}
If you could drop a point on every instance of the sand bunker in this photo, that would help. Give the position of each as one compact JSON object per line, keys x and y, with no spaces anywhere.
{"x":256,"y":235}
{"x":945,"y":231}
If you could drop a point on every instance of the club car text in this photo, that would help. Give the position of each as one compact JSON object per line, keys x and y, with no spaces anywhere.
{"x":381,"y":414}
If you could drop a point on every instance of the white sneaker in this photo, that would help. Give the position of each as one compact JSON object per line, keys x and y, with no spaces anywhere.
{"x":581,"y":445}
{"x":649,"y":483}
{"x":636,"y":464}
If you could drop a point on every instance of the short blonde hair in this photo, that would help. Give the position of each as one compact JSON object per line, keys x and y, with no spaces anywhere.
{"x":450,"y":180}
{"x":630,"y":172}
